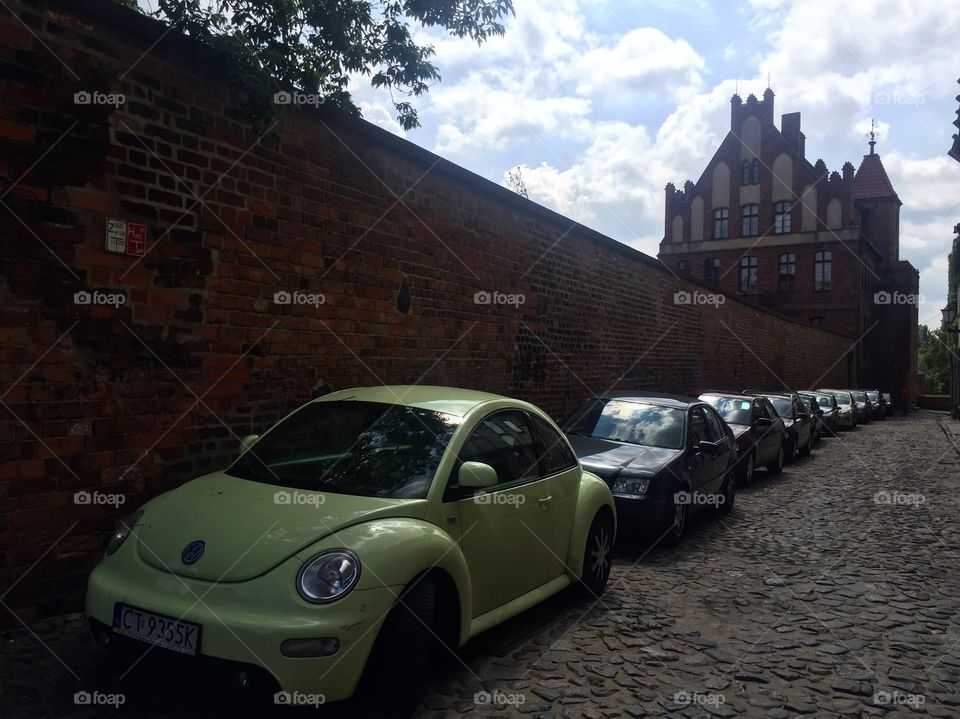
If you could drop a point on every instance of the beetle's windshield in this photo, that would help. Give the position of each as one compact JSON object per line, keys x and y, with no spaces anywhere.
{"x":362,"y":448}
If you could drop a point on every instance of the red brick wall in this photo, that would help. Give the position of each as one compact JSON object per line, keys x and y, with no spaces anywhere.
{"x":137,"y":398}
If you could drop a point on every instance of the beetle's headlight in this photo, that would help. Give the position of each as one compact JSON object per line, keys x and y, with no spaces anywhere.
{"x":124,"y":529}
{"x":630,"y":486}
{"x":328,"y":576}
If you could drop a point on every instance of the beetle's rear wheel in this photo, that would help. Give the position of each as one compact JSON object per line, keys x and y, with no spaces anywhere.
{"x":598,"y":555}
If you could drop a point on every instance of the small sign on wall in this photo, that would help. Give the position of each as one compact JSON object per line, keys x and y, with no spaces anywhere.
{"x":136,"y":238}
{"x":126,"y":237}
{"x":116,"y":235}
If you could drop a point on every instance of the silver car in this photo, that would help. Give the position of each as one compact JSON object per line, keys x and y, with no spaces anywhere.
{"x":847,"y":416}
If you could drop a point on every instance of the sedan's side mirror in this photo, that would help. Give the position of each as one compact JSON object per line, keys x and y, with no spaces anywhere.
{"x":476,"y":475}
{"x":248,"y":441}
{"x":706,"y":447}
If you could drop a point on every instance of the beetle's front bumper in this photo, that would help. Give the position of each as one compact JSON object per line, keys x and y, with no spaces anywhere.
{"x":247,"y":622}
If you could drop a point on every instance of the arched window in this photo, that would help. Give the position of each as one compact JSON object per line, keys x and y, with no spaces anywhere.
{"x":745,"y":173}
{"x":711,"y":271}
{"x":781,"y":218}
{"x":748,"y":274}
{"x":683,"y":267}
{"x":721,"y":223}
{"x":788,"y":272}
{"x":756,"y":172}
{"x":750,"y":220}
{"x":822,"y":271}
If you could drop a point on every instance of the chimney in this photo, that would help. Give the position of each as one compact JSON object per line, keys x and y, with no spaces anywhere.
{"x":790,"y":129}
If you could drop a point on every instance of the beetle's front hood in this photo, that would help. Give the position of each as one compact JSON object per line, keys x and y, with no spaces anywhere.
{"x":249,"y":527}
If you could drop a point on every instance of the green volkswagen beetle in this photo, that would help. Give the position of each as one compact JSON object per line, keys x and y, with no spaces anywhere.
{"x":357,"y":535}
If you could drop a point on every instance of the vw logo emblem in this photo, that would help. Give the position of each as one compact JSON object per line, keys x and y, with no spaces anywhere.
{"x":193,"y":551}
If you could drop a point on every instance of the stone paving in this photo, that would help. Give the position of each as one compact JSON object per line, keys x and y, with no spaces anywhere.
{"x":831,"y":590}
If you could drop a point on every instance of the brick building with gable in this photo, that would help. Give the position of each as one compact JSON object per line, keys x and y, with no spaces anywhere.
{"x":822,"y":248}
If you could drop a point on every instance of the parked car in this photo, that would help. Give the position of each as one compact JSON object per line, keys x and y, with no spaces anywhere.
{"x":830,"y":410}
{"x":288,"y":565}
{"x":759,"y":431}
{"x":862,"y":403}
{"x":847,"y":411}
{"x":664,"y":457}
{"x":877,"y":403}
{"x":816,"y":414}
{"x":795,"y":417}
{"x":887,"y":401}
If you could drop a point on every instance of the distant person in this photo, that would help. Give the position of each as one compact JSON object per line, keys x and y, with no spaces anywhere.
{"x":904,"y":398}
{"x":320,"y":389}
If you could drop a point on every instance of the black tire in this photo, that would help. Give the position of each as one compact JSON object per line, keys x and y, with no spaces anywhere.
{"x":808,"y":448}
{"x":675,"y":521}
{"x":776,"y":466}
{"x":729,"y":493}
{"x":598,"y":555}
{"x":394,"y":687}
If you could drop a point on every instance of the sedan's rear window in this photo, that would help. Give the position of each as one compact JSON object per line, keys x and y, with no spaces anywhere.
{"x":626,"y":421}
{"x":362,"y":448}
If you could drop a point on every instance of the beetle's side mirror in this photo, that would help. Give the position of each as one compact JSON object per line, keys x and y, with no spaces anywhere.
{"x":476,"y":475}
{"x":248,"y":441}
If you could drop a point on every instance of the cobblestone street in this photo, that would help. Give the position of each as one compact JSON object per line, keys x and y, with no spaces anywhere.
{"x":830,"y":590}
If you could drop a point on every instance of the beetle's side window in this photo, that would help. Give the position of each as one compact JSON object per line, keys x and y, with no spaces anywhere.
{"x":505,"y":442}
{"x":758,"y":410}
{"x":555,"y":453}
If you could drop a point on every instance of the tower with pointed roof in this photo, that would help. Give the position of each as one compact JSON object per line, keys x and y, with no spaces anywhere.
{"x":820,"y":247}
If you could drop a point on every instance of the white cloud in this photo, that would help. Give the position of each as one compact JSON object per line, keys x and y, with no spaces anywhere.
{"x":924,"y":185}
{"x":642,"y":61}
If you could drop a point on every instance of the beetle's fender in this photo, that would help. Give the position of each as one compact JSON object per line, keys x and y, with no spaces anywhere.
{"x":593,"y":495}
{"x":395,"y":551}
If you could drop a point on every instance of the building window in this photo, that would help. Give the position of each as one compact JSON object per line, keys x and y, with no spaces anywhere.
{"x":711,"y":271}
{"x":683,"y":267}
{"x":788,"y":272}
{"x":822,"y":271}
{"x":750,"y":224}
{"x":756,"y":172}
{"x":817,"y":321}
{"x":721,"y":223}
{"x":745,"y":173}
{"x":748,"y":274}
{"x":781,"y":218}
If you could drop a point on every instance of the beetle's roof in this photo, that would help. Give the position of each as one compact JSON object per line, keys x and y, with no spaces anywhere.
{"x":451,"y":400}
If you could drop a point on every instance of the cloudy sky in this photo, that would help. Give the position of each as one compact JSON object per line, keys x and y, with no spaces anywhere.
{"x":602,"y":103}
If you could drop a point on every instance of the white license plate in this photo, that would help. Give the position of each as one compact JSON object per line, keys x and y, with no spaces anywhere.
{"x":166,"y":632}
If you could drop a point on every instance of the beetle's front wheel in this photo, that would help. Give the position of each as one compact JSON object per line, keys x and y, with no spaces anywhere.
{"x":408,"y":631}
